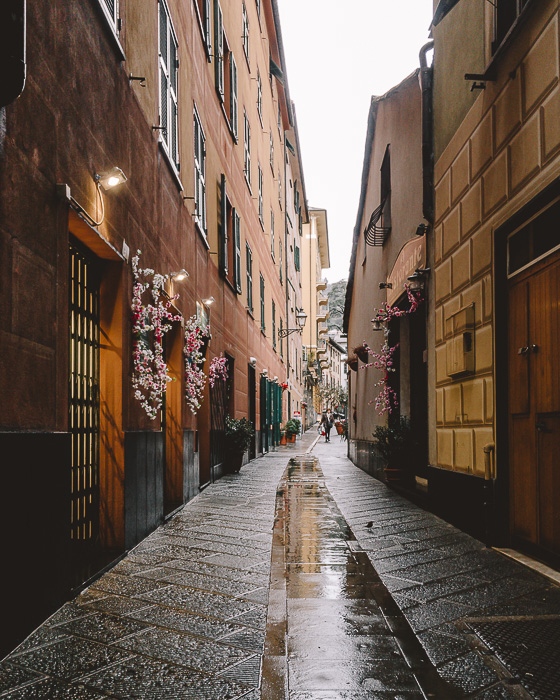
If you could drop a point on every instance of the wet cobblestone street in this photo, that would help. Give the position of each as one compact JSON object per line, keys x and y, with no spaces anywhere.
{"x":301,"y":578}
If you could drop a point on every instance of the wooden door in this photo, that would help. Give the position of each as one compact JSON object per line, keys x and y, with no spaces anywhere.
{"x":534,"y":405}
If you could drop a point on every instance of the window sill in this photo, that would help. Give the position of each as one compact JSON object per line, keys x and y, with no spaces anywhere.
{"x":201,"y":233}
{"x":171,"y":165}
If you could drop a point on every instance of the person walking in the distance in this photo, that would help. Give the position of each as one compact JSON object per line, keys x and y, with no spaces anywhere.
{"x":326,"y":425}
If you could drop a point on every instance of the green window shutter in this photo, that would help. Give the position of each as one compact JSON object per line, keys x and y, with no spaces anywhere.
{"x":237,"y":245}
{"x":222,"y":227}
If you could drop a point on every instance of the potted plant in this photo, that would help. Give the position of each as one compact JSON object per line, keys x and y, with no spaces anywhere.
{"x":291,"y":429}
{"x":238,"y":435}
{"x":398,"y":448}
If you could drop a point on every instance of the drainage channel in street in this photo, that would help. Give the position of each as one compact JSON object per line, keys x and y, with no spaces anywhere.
{"x":333,"y":629}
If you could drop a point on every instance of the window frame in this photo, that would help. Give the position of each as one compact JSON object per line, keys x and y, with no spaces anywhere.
{"x":199,"y":157}
{"x":245,"y":31}
{"x":247,"y":149}
{"x":262,"y":303}
{"x":169,"y":131}
{"x":260,"y":194}
{"x":249,"y":276}
{"x":205,"y":23}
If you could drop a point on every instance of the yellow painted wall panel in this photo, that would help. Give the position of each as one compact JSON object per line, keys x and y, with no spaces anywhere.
{"x":471,"y":209}
{"x":473,"y":401}
{"x":443,"y":195}
{"x":551,"y":124}
{"x":494,"y":184}
{"x":460,"y":174}
{"x":443,"y":280}
{"x":461,"y":266}
{"x":524,"y":156}
{"x":473,"y":295}
{"x":481,"y":146}
{"x":453,"y":404}
{"x":463,"y":449}
{"x":445,"y":448}
{"x":481,"y":251}
{"x":483,"y":349}
{"x":451,"y":231}
{"x":482,"y":437}
{"x":540,"y":67}
{"x":507,"y":111}
{"x":489,"y":399}
{"x":441,"y":364}
{"x":440,"y":407}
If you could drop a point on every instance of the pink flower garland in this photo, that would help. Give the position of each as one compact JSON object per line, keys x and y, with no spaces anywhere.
{"x":195,"y":379}
{"x":218,"y":369}
{"x":386,"y":400}
{"x":149,"y":375}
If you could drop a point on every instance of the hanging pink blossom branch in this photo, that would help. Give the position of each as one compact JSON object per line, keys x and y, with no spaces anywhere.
{"x":218,"y":370}
{"x":150,"y":322}
{"x":387,"y":400}
{"x":195,"y":379}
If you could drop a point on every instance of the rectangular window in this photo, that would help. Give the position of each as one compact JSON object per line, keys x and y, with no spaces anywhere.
{"x":249,"y":273}
{"x":245,"y":31}
{"x":259,"y":96}
{"x":272,"y":237}
{"x":247,"y":149}
{"x":229,"y":239}
{"x":233,"y":95}
{"x":237,"y":251}
{"x":203,"y":10}
{"x":110,"y":8}
{"x":273,"y":325}
{"x":296,"y":258}
{"x":261,"y":208}
{"x":281,"y":343}
{"x":258,"y":3}
{"x":199,"y":175}
{"x":271,"y":152}
{"x":168,"y":69}
{"x":506,"y":14}
{"x":281,"y":260}
{"x":386,"y":189}
{"x":263,"y":324}
{"x":219,"y":49}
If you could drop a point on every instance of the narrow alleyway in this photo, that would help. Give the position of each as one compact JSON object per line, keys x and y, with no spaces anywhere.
{"x":301,"y":578}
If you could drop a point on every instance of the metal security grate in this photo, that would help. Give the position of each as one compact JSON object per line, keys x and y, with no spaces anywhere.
{"x":529,"y":649}
{"x":84,"y":395}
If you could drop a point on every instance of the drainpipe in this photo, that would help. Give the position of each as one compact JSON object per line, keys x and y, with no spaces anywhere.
{"x":426,"y":85}
{"x":12,"y":50}
{"x":488,"y":490}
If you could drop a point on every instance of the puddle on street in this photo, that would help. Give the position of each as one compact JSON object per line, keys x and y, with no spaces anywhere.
{"x":333,"y":627}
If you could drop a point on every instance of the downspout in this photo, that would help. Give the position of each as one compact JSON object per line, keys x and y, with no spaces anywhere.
{"x":12,"y":50}
{"x":426,"y":86}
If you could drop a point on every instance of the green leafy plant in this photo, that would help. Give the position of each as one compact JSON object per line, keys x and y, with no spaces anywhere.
{"x":238,"y":434}
{"x":396,"y":445}
{"x":292,"y":427}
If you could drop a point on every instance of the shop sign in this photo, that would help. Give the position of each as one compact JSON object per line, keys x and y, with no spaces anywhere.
{"x":411,"y":257}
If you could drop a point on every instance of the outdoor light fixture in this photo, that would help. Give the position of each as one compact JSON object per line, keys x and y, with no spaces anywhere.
{"x":253,"y":361}
{"x":179,"y":276}
{"x":418,"y":278}
{"x":301,"y":318}
{"x":422,"y":229}
{"x":377,"y":324}
{"x":110,"y":179}
{"x":264,"y":373}
{"x":385,"y":285}
{"x":208,"y":301}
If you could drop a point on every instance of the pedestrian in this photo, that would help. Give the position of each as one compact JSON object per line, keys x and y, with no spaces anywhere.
{"x":326,"y":425}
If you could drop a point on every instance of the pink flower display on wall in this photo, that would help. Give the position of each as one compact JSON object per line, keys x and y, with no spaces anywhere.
{"x":218,"y":370}
{"x":195,"y":379}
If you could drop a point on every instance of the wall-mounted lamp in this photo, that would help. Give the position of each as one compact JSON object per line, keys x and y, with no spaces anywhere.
{"x":264,"y":373}
{"x":301,"y":318}
{"x":385,"y":285}
{"x":179,"y":276}
{"x":422,"y":229}
{"x":377,"y":324}
{"x":208,"y":301}
{"x":417,"y":279}
{"x":253,"y":361}
{"x":110,"y":179}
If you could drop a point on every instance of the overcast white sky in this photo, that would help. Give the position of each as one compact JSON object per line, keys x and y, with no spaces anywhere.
{"x":337,"y":56}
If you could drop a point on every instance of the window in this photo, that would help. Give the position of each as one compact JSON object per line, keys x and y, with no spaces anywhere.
{"x":263,"y":324}
{"x":225,"y":71}
{"x":506,"y":14}
{"x":273,"y":325}
{"x":249,"y":273}
{"x":203,"y":10}
{"x":258,"y":4}
{"x":281,"y":343}
{"x":272,"y":238}
{"x":271,"y":152}
{"x":168,"y":69}
{"x":280,"y":260}
{"x":245,"y":31}
{"x":229,"y":239}
{"x":247,"y":152}
{"x":296,"y":258}
{"x":259,"y":96}
{"x":199,"y":175}
{"x":279,"y":190}
{"x":386,"y":189}
{"x":110,"y":8}
{"x":261,"y":208}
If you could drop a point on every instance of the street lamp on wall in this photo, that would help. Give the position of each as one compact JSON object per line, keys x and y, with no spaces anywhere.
{"x":417,"y":280}
{"x":301,"y":318}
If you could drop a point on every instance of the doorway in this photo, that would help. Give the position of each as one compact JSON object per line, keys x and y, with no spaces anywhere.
{"x":533,"y":265}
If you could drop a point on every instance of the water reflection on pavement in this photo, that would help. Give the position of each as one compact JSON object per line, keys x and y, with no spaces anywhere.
{"x":333,"y":632}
